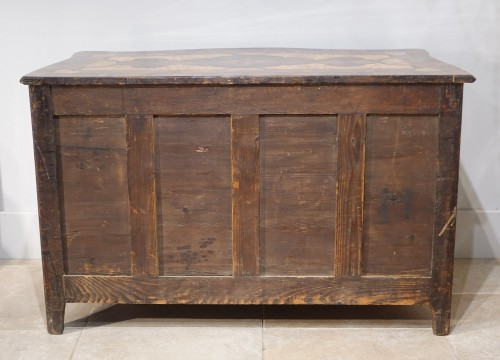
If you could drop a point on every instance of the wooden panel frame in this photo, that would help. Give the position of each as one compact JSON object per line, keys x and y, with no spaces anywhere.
{"x":400,"y":181}
{"x":246,"y":290}
{"x":98,"y":145}
{"x":298,"y":194}
{"x":245,"y":184}
{"x":142,"y":195}
{"x":195,"y":192}
{"x":48,"y":189}
{"x":146,"y":287}
{"x":350,"y":194}
{"x":228,"y":100}
{"x":445,"y":207}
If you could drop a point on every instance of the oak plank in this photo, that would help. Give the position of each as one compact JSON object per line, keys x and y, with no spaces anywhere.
{"x":49,"y":211}
{"x":179,"y":100}
{"x":445,"y":207}
{"x":96,"y":216}
{"x":401,"y":156}
{"x":245,"y":184}
{"x":350,"y":189}
{"x":247,"y":290}
{"x":297,"y":197}
{"x":194,"y":174}
{"x":142,"y":195}
{"x":90,"y":101}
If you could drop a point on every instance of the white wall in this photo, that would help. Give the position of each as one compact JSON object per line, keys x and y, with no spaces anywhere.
{"x":464,"y":32}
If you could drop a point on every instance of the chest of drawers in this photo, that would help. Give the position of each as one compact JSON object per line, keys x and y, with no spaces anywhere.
{"x":247,"y":176}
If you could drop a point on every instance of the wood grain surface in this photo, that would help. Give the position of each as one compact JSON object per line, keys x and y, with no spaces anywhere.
{"x":194,"y":172}
{"x":247,"y":290}
{"x":400,"y":183}
{"x":248,"y":66}
{"x":246,"y":190}
{"x":445,"y":207}
{"x":350,"y":189}
{"x":93,"y":158}
{"x":48,"y":183}
{"x":142,"y":195}
{"x":298,"y":175}
{"x":204,"y":100}
{"x":248,"y":176}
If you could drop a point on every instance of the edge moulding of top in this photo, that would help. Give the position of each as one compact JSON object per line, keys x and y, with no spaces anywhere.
{"x":248,"y":66}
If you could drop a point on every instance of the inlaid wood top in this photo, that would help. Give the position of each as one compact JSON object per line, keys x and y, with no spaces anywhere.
{"x":249,"y":66}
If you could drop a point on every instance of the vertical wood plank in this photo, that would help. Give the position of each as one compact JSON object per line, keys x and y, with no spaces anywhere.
{"x":399,"y":194}
{"x":194,"y":195}
{"x":92,"y":154}
{"x":142,"y":195}
{"x":350,"y":188}
{"x":445,"y":207}
{"x":48,"y":206}
{"x":245,"y":180}
{"x":298,"y":173}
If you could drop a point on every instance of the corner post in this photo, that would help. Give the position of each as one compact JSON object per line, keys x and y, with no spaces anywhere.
{"x":44,"y":144}
{"x":446,"y":207}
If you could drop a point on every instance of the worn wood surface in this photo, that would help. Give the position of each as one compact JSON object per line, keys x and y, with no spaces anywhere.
{"x":175,"y":100}
{"x":298,"y":173}
{"x":245,"y":183}
{"x":400,"y":185}
{"x":249,"y":66}
{"x":48,"y":188}
{"x":194,"y":171}
{"x":247,"y":290}
{"x":350,"y":190}
{"x":445,"y":207}
{"x":330,"y":179}
{"x":142,"y":195}
{"x":93,"y":157}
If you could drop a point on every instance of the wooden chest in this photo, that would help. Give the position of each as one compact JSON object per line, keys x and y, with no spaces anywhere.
{"x":247,"y":176}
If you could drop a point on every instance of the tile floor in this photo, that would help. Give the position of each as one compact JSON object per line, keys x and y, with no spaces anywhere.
{"x":250,"y":332}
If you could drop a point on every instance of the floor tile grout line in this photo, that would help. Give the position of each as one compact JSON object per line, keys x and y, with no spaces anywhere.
{"x":91,"y":311}
{"x":453,"y":341}
{"x":71,"y":357}
{"x":262,"y":332}
{"x":355,"y":328}
{"x":475,"y":293}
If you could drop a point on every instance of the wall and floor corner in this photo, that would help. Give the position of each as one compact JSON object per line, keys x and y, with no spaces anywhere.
{"x":462,"y":32}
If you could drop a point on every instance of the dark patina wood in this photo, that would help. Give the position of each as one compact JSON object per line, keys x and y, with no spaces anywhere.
{"x":400,"y":191}
{"x":95,"y":212}
{"x":247,"y":290}
{"x":245,"y":184}
{"x":248,"y":67}
{"x":194,"y":173}
{"x":48,"y":188}
{"x":142,"y":195}
{"x":248,"y":176}
{"x":445,"y":209}
{"x":350,"y":194}
{"x":279,"y":100}
{"x":298,"y":173}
